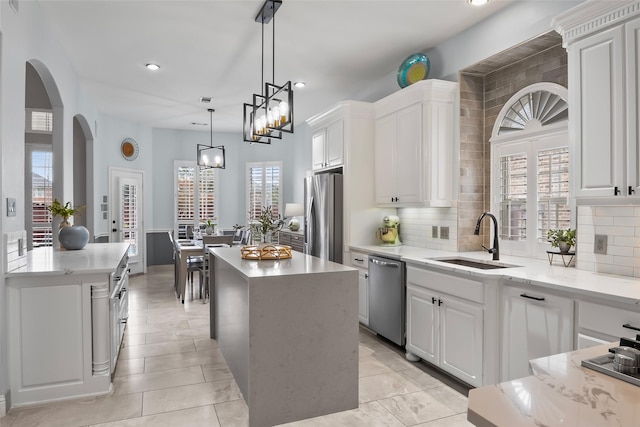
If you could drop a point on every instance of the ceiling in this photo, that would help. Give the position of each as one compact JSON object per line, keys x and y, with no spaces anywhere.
{"x":212,"y":48}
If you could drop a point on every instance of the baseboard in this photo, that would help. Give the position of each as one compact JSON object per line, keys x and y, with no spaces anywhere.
{"x":3,"y":406}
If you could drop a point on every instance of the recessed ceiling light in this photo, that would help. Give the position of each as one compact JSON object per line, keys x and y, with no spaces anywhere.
{"x":477,"y":2}
{"x":199,"y":124}
{"x":152,"y":67}
{"x":205,"y":99}
{"x":299,"y":84}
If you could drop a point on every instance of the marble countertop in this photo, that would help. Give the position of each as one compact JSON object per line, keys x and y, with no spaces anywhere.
{"x":94,"y":258}
{"x":559,"y":393}
{"x":526,"y":271}
{"x":299,"y":263}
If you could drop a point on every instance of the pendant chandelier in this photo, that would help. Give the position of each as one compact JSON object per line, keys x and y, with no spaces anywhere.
{"x":271,"y":111}
{"x":208,"y":155}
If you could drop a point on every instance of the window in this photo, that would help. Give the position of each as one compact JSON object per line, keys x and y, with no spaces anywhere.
{"x":264,"y":186}
{"x":195,"y":195}
{"x":39,"y":121}
{"x":530,"y":169}
{"x":40,"y":180}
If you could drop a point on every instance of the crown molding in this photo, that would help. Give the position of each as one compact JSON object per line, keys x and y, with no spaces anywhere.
{"x":593,"y":16}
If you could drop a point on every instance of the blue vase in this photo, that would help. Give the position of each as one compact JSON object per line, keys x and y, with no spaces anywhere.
{"x":73,"y":237}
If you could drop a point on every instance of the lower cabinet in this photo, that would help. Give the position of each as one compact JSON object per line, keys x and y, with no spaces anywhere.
{"x":599,"y":323}
{"x":446,"y":331}
{"x":535,"y":324}
{"x":360,"y":261}
{"x":363,"y":297}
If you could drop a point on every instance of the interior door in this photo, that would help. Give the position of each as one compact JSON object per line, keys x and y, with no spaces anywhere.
{"x":126,"y":215}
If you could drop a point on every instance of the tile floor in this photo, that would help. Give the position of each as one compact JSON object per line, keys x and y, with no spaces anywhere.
{"x":171,"y":374}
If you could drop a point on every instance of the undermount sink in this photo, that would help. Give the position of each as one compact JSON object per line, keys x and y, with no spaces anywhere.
{"x":482,"y":265}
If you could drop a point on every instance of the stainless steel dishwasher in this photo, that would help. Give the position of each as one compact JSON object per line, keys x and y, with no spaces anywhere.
{"x":387,"y":296}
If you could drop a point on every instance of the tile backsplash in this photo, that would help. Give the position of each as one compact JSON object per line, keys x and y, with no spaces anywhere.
{"x":621,"y":225}
{"x":416,"y":227}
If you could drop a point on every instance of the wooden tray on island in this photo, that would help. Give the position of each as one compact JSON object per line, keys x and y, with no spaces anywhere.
{"x":267,"y":252}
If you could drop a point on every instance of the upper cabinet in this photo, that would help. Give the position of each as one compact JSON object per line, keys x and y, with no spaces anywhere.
{"x":328,"y":145}
{"x":414,"y":134}
{"x":602,"y":40}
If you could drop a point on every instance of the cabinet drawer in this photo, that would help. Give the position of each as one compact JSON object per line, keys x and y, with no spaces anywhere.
{"x":359,"y":259}
{"x":447,"y":283}
{"x":296,"y":242}
{"x":284,"y":239}
{"x":608,"y":320}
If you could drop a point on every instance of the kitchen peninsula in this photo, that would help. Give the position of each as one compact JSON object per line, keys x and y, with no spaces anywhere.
{"x":62,"y":315}
{"x":288,"y":330}
{"x":559,"y":393}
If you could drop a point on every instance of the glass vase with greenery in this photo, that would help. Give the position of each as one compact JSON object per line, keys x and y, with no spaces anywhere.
{"x":267,"y":223}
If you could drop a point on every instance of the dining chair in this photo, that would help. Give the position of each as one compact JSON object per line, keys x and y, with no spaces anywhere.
{"x":237,"y":237}
{"x":246,"y":237}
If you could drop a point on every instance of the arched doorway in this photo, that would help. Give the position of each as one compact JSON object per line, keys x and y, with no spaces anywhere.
{"x":83,"y":171}
{"x":43,"y":147}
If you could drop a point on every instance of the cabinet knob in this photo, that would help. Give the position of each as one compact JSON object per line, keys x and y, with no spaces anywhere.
{"x":433,"y":300}
{"x":366,"y":276}
{"x":631,"y":190}
{"x":439,"y":302}
{"x":616,"y":191}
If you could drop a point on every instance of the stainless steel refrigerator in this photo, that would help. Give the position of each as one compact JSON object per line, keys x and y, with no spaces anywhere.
{"x":323,"y":216}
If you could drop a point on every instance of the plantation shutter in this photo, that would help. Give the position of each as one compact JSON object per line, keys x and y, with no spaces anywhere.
{"x":554,"y":211}
{"x":264,"y":188}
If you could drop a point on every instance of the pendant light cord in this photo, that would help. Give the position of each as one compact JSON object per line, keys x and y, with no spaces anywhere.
{"x":211,"y":110}
{"x":273,"y":46}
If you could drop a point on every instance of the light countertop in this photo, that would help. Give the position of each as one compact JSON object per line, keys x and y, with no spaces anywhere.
{"x":559,"y":393}
{"x":299,"y":263}
{"x":94,"y":258}
{"x":526,"y":271}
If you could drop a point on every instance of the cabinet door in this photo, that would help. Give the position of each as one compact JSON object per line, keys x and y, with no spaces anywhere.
{"x":632,"y":39}
{"x":408,"y":161}
{"x":385,"y":159}
{"x":334,"y":145}
{"x":534,"y":325}
{"x":422,"y":323}
{"x":597,"y":108}
{"x":363,"y":297}
{"x":461,"y":338}
{"x":318,"y":150}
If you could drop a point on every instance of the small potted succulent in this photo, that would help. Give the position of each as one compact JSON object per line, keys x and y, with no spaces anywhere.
{"x":562,"y":239}
{"x":71,"y":237}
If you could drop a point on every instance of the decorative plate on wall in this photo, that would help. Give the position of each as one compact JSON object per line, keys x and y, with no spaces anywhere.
{"x":129,"y":148}
{"x":415,"y":68}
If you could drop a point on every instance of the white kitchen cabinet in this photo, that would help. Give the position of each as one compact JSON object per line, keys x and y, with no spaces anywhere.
{"x":602,"y":40}
{"x":398,"y":152}
{"x":360,"y":261}
{"x":535,"y":324}
{"x":328,"y":146}
{"x":443,"y":329}
{"x":599,"y":323}
{"x":414,"y":136}
{"x":60,"y":326}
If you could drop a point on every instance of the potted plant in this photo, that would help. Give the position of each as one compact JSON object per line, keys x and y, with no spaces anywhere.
{"x":267,"y":223}
{"x":65,"y":211}
{"x":562,"y":239}
{"x":210,"y":225}
{"x":71,"y":237}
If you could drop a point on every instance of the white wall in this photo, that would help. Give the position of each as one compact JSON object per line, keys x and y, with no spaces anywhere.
{"x":170,"y":145}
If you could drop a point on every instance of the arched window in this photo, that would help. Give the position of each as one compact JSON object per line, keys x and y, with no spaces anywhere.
{"x":530,"y":168}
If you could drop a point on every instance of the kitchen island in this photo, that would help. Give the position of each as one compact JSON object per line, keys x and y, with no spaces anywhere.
{"x":61,"y":322}
{"x":559,"y":393}
{"x":288,"y":330}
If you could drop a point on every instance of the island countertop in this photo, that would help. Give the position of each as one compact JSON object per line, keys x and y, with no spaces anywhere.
{"x":94,"y":258}
{"x":559,"y":393}
{"x":298,"y":264}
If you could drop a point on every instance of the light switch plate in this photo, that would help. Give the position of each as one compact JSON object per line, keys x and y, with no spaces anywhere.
{"x":444,"y":233}
{"x":434,"y":231}
{"x":600,"y":244}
